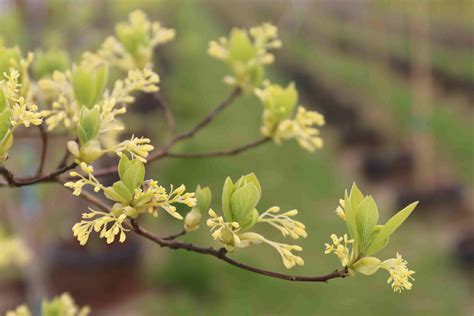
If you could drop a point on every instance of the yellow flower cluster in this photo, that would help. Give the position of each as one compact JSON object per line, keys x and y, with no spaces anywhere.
{"x":15,"y":110}
{"x":283,"y":222}
{"x":301,"y":128}
{"x":340,"y":247}
{"x":231,"y":235}
{"x":154,"y":196}
{"x":132,"y":196}
{"x":400,"y":275}
{"x":107,"y":224}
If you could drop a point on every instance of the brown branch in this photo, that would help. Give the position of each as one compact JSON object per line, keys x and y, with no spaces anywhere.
{"x":221,"y":253}
{"x":44,"y":149}
{"x":230,"y":152}
{"x":14,"y":182}
{"x":156,"y":155}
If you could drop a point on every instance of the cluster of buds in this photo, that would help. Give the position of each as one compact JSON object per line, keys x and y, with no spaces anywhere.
{"x":247,"y":52}
{"x":135,"y":40}
{"x":280,"y":122}
{"x":239,"y":202}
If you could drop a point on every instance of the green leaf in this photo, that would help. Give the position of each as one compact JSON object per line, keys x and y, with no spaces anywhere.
{"x":123,"y":165}
{"x":355,"y":196}
{"x":4,"y":123}
{"x":252,"y":178}
{"x":367,"y":265}
{"x":84,"y":86}
{"x":113,"y":195}
{"x":244,"y":200}
{"x":350,"y":218}
{"x":134,"y":175}
{"x":227,"y":190}
{"x":241,"y":48}
{"x":100,"y":82}
{"x":367,"y":216}
{"x":3,"y":100}
{"x":89,"y":124}
{"x":390,"y":227}
{"x":123,"y":190}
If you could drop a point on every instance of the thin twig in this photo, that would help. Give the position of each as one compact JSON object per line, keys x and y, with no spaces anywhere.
{"x":222,"y":255}
{"x":174,"y":236}
{"x":44,"y":149}
{"x":65,"y":157}
{"x":167,"y":111}
{"x":230,"y":152}
{"x":163,"y":151}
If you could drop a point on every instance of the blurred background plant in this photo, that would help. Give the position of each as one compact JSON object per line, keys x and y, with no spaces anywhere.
{"x":395,"y":81}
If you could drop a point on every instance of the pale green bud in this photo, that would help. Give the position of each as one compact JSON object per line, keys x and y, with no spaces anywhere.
{"x":90,"y":152}
{"x":239,"y":200}
{"x":192,"y":220}
{"x":203,"y":197}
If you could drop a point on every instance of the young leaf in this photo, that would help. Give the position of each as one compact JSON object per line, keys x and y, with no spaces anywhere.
{"x":389,"y":228}
{"x":367,"y":216}
{"x":4,"y":123}
{"x":120,"y":188}
{"x":123,"y":165}
{"x":227,"y":190}
{"x":244,"y":200}
{"x":83,"y":84}
{"x":252,"y":178}
{"x":355,"y":196}
{"x":89,"y":124}
{"x":134,"y":175}
{"x":367,"y":265}
{"x":350,"y":218}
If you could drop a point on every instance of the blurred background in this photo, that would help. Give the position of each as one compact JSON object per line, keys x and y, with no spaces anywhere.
{"x":395,"y":80}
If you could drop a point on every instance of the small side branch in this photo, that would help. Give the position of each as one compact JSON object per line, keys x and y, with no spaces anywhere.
{"x":164,"y":151}
{"x":167,"y":111}
{"x":230,"y":152}
{"x":44,"y":149}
